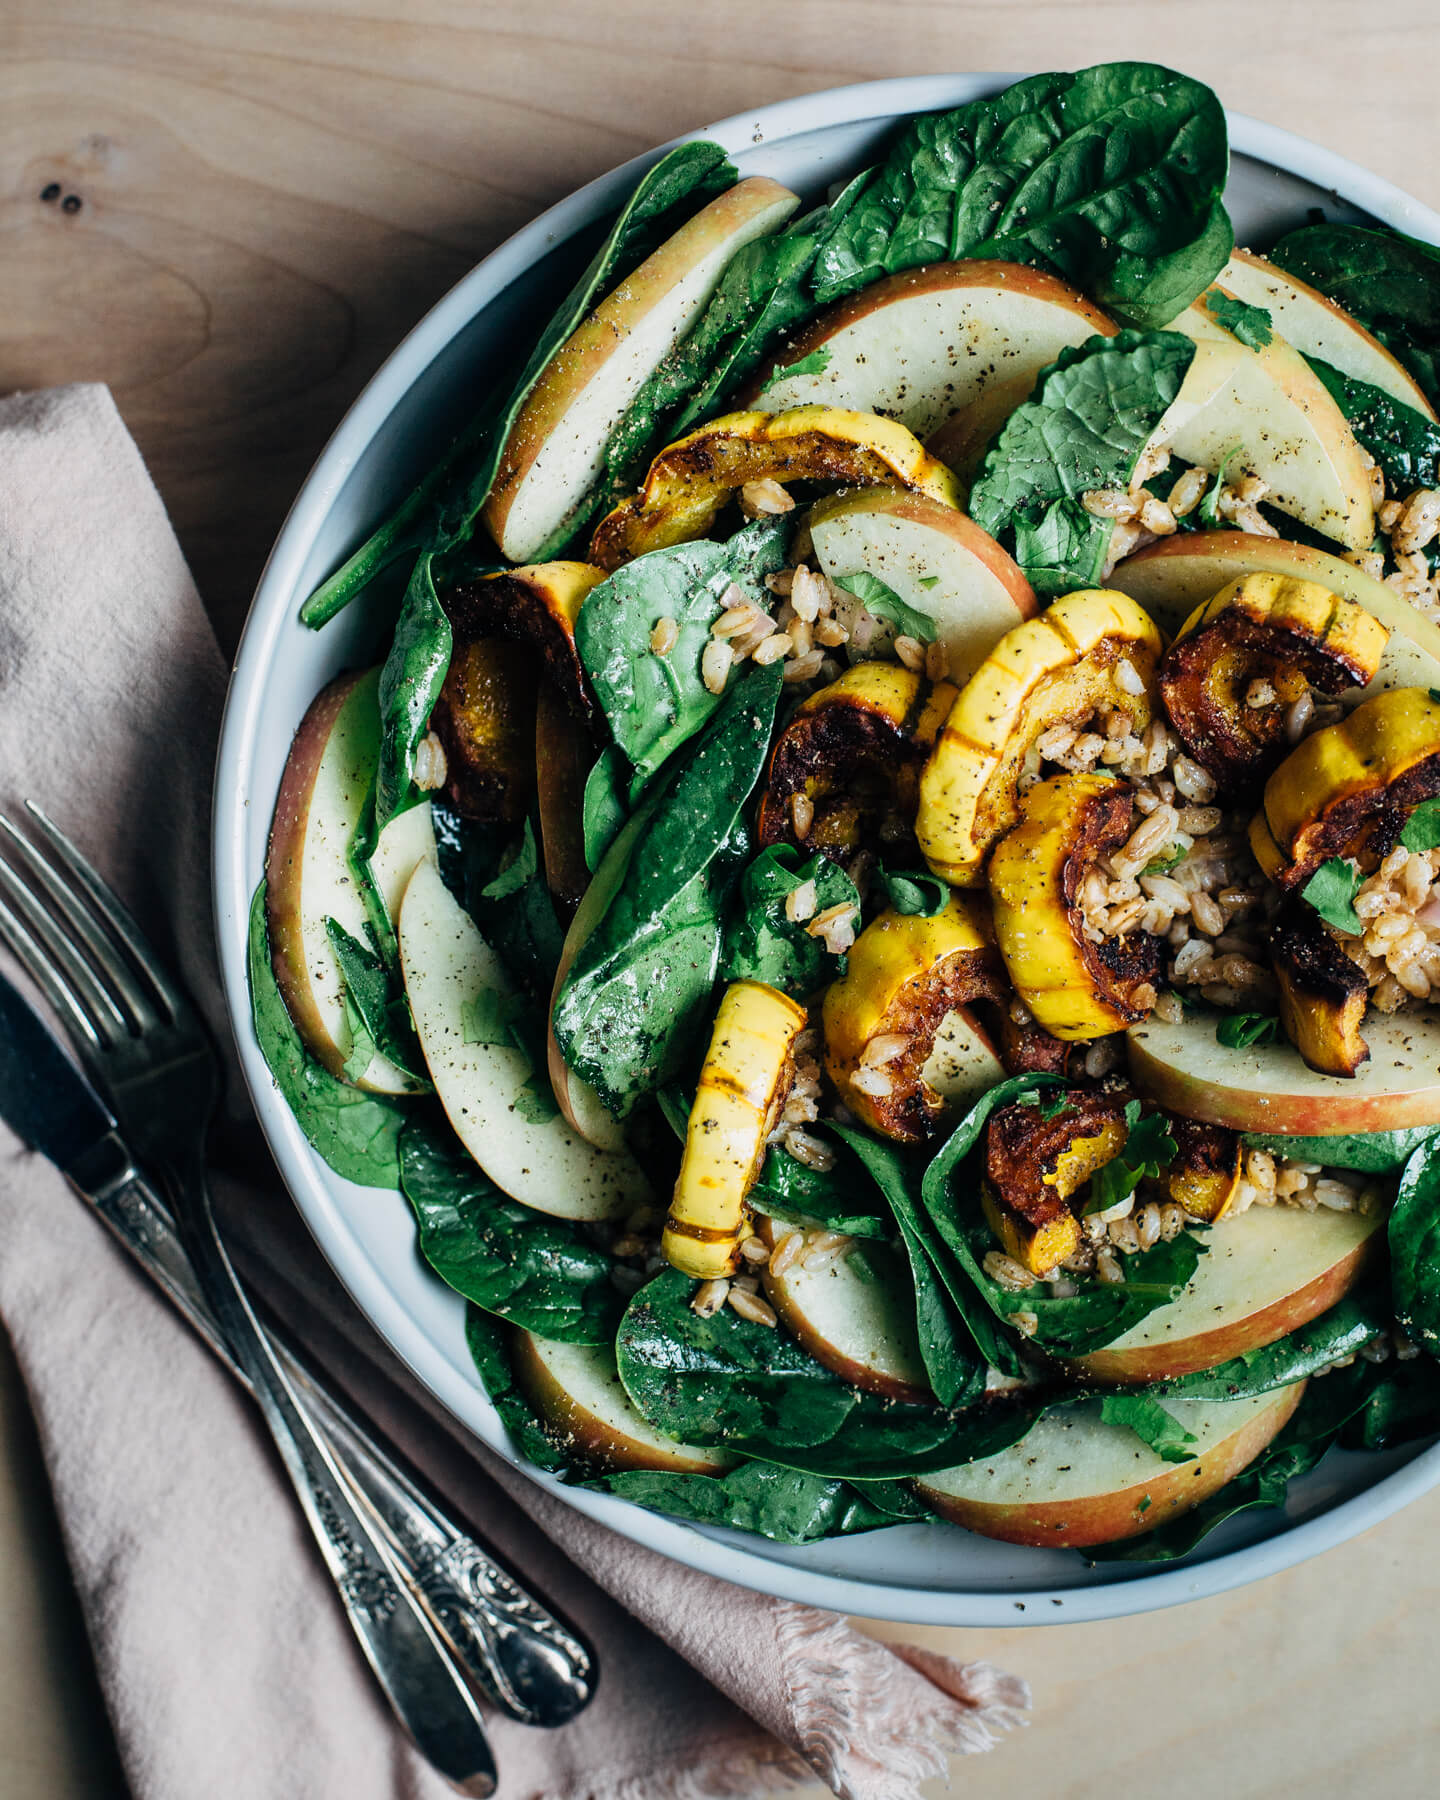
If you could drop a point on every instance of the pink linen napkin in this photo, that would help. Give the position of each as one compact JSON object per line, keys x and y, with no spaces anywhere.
{"x":226,"y":1664}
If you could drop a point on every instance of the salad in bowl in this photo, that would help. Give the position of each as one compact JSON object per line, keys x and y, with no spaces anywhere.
{"x":883,"y":904}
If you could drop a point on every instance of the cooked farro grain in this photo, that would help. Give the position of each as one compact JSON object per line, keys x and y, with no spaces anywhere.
{"x":771,"y":649}
{"x":431,"y":768}
{"x":1110,"y":503}
{"x":802,"y":814}
{"x":873,"y":1082}
{"x":1108,"y":1266}
{"x":764,"y":497}
{"x":715,"y":664}
{"x":710,"y":1297}
{"x":937,"y":662}
{"x":752,"y":1307}
{"x":1005,"y":1272}
{"x":787,"y":1250}
{"x":754,"y":1250}
{"x":911,"y":653}
{"x":884,"y":1048}
{"x":808,"y":1150}
{"x":804,"y":668}
{"x":665,"y":636}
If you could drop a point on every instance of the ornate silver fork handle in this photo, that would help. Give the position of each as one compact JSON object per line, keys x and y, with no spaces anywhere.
{"x":517,"y":1652}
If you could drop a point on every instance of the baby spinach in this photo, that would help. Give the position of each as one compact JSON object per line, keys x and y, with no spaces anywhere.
{"x":1238,"y":1031}
{"x":411,"y":678}
{"x":1111,"y":177}
{"x":1341,"y":1332}
{"x":1390,"y":283}
{"x":639,"y":985}
{"x":541,"y":1274}
{"x":1091,"y":415}
{"x":356,"y":1133}
{"x":655,"y":700}
{"x":1149,"y":1149}
{"x":516,"y":913}
{"x":785,"y":1505}
{"x":1251,"y":325}
{"x":1331,"y":890}
{"x":880,"y":598}
{"x":1403,"y":441}
{"x":440,"y":512}
{"x":762,"y":943}
{"x":372,"y":988}
{"x":724,"y":1380}
{"x":1414,"y":1232}
{"x":1403,"y":1404}
{"x":488,"y":1341}
{"x":1160,"y":1430}
{"x":1371,"y":1152}
{"x":604,"y":808}
{"x":838,"y":1199}
{"x":914,"y":892}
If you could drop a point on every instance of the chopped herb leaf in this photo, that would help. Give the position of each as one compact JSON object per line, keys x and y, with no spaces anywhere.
{"x":535,"y":1103}
{"x":885,"y":603}
{"x":1331,"y":890}
{"x":1238,"y":1031}
{"x":1422,"y":828}
{"x":815,"y":363}
{"x":913,"y":892}
{"x":490,"y":1017}
{"x":928,"y":581}
{"x":1149,"y":1149}
{"x":1250,"y":324}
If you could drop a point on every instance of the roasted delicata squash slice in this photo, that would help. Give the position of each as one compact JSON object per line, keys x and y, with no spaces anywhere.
{"x":692,"y":479}
{"x":1092,"y":651}
{"x":845,"y":772}
{"x":1243,"y":659}
{"x":899,"y":1038}
{"x":1322,"y":994}
{"x":1206,"y":1173}
{"x":1034,"y":1167}
{"x":1347,"y":790}
{"x":743,"y":1085}
{"x":1075,"y":987}
{"x":536,"y":606}
{"x":1028,"y":1049}
{"x":485,"y":721}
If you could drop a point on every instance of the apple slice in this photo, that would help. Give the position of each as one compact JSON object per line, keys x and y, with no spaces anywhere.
{"x":539,"y":1161}
{"x":963,"y":1063}
{"x":555,"y":449}
{"x":1268,"y":1087}
{"x":1171,"y":578}
{"x":308,"y":878}
{"x":576,"y":1390}
{"x":564,"y":754}
{"x":858,"y":1324}
{"x":936,"y":559}
{"x":1318,"y":327}
{"x":1288,"y":430}
{"x":1265,"y":1273}
{"x":923,"y":346}
{"x":1073,"y":1480}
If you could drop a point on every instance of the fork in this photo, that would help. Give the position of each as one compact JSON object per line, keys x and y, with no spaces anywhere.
{"x":143,"y":1045}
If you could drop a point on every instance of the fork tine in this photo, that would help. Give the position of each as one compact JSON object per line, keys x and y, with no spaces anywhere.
{"x":87,"y":936}
{"x":42,"y":972}
{"x":25,"y":912}
{"x":115,"y":914}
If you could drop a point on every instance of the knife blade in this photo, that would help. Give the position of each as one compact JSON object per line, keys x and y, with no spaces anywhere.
{"x":528,"y":1661}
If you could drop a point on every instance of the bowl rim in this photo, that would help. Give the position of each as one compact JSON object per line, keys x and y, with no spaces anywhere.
{"x":311,"y":1185}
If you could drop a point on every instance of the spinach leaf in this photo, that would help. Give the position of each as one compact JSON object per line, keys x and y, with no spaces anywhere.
{"x":1342,"y":1331}
{"x":785,"y":1505}
{"x":1085,"y":425}
{"x":1208,"y":513}
{"x":840,"y":1199}
{"x":1390,"y":283}
{"x":488,"y":1341}
{"x":654,"y":701}
{"x":1371,"y":1152}
{"x":1149,"y":1149}
{"x":541,"y":1274}
{"x":410,"y":682}
{"x":441,"y":510}
{"x":516,"y":913}
{"x":1251,"y":325}
{"x":1404,"y":1403}
{"x":1331,"y":890}
{"x":880,"y":598}
{"x":1404,"y":442}
{"x":1238,"y":1031}
{"x":724,"y":1380}
{"x":1111,"y":177}
{"x":1414,"y":1232}
{"x":1151,"y":1423}
{"x":1323,"y":1410}
{"x":379,"y":1002}
{"x":914,"y":891}
{"x":355,"y":1132}
{"x":604,"y":809}
{"x":954,"y":1360}
{"x":638,"y":987}
{"x":762,"y":943}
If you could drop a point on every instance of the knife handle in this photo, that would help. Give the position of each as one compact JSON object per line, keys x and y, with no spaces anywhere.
{"x":517,"y":1652}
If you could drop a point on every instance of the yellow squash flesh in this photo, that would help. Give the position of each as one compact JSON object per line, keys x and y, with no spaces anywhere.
{"x":691,"y":480}
{"x":1059,"y":668}
{"x":742,"y":1085}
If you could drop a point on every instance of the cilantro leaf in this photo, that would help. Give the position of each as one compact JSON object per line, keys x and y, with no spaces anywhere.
{"x":1210,"y":506}
{"x":1250,"y":324}
{"x":1149,"y":1149}
{"x":1167,"y":860}
{"x":930,"y":581}
{"x":815,"y":363}
{"x":1422,"y":828}
{"x":882,"y":600}
{"x":1238,"y":1031}
{"x":1331,"y":890}
{"x":1152,"y":1423}
{"x":520,"y":869}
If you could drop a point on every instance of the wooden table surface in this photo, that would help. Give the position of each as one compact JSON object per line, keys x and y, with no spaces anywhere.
{"x":231,"y":213}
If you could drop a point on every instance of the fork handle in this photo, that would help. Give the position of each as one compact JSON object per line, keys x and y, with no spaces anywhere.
{"x":519,"y":1654}
{"x":429,"y":1697}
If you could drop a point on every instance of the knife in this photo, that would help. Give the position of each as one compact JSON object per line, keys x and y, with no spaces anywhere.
{"x":517,"y":1653}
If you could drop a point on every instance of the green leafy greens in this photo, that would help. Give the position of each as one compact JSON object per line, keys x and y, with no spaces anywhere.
{"x":878,"y":597}
{"x":1149,"y":1149}
{"x":1331,"y":890}
{"x":762,"y":943}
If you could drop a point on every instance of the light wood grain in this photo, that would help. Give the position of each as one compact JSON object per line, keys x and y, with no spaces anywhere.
{"x":269,"y":196}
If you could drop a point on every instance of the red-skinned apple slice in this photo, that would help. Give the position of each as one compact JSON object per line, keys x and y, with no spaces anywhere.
{"x":576,"y":1390}
{"x":1072,"y":1480}
{"x":1264,"y":1274}
{"x":964,"y":1061}
{"x":861,"y":1326}
{"x":1268,"y":1087}
{"x":952,"y":338}
{"x":307,"y":869}
{"x":484,"y":1086}
{"x":936,"y":559}
{"x":1277,"y":415}
{"x":1171,"y":578}
{"x":555,"y":449}
{"x":1318,"y":327}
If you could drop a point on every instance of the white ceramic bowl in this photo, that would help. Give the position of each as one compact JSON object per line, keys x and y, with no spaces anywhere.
{"x":931,"y":1574}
